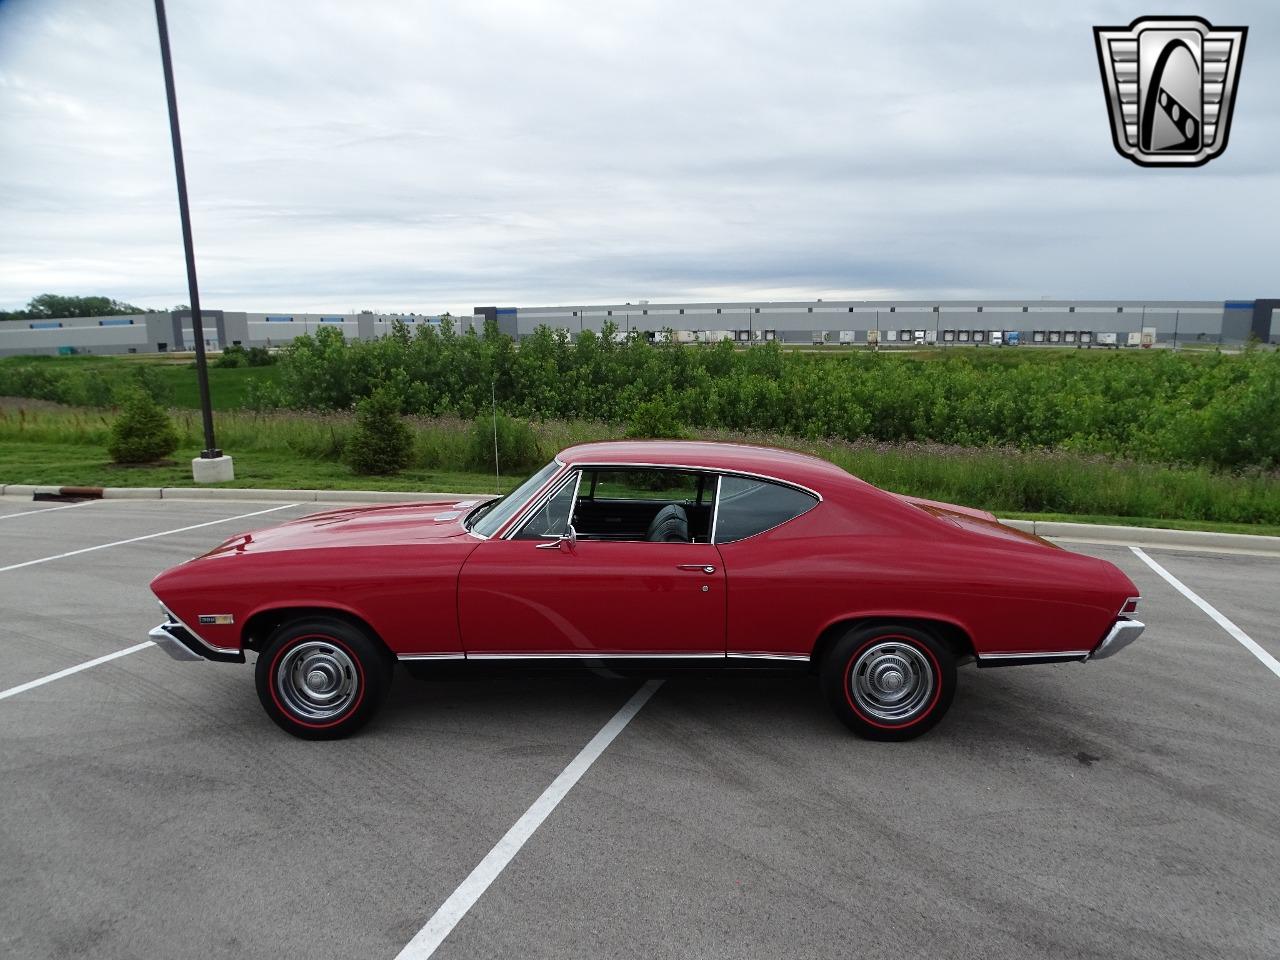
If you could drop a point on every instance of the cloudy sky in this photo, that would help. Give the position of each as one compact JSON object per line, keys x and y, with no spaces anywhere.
{"x":428,"y":156}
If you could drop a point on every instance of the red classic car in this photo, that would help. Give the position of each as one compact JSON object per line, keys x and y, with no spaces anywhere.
{"x":704,"y":553}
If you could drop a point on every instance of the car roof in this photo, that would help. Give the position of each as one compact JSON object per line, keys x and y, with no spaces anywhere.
{"x":787,"y":465}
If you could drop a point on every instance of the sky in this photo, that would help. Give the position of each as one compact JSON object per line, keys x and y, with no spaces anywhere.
{"x":442,"y":155}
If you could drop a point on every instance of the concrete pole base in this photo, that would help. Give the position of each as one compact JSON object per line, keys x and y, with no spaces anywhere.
{"x":216,"y":470}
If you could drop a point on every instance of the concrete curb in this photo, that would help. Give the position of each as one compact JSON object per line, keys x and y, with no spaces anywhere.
{"x":1147,"y":536}
{"x":1074,"y":532}
{"x":231,"y":493}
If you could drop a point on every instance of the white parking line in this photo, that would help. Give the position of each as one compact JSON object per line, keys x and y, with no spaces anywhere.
{"x":1244,"y":639}
{"x":30,"y":684}
{"x":149,"y":536}
{"x":463,"y":899}
{"x":65,"y":506}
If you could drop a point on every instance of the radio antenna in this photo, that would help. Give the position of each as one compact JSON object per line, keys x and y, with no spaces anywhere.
{"x":497,"y":473}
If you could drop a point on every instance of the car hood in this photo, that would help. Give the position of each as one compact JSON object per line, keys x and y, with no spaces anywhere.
{"x":381,"y":525}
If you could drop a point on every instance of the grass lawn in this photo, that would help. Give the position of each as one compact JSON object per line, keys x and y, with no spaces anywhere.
{"x":228,"y":388}
{"x":89,"y":465}
{"x":76,"y":455}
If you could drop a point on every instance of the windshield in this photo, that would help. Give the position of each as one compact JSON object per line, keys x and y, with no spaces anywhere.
{"x":504,"y":509}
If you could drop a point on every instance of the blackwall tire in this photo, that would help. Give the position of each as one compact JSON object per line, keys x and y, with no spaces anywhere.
{"x":889,"y":681}
{"x":322,"y":678}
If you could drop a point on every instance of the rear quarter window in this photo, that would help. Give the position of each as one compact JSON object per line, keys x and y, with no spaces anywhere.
{"x":748,"y":506}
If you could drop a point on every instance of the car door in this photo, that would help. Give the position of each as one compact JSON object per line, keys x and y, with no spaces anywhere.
{"x":542,"y":593}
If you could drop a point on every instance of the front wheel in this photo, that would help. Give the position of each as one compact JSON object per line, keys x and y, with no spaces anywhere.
{"x":321,"y":678}
{"x":889,"y":681}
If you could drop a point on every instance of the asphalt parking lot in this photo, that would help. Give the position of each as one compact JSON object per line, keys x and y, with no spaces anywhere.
{"x":148,"y":808}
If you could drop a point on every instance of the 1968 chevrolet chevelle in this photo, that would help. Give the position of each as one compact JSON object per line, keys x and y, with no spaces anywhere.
{"x":715,"y":554}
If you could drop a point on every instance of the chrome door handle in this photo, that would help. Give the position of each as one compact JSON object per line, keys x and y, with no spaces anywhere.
{"x":696,"y":567}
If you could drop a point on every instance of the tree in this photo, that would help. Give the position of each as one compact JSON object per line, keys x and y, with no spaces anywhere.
{"x":142,"y":433}
{"x":382,"y":442}
{"x":53,"y":306}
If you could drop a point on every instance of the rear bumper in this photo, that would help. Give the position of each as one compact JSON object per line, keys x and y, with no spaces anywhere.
{"x":181,"y":644}
{"x":1122,"y":633}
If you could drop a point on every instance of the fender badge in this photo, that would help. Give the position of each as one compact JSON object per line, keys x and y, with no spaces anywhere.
{"x":220,"y":619}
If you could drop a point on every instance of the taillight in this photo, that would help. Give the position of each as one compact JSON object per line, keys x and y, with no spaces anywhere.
{"x":1130,"y":605}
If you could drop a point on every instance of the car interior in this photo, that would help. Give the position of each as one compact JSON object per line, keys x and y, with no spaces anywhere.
{"x":639,"y":504}
{"x":661,"y":506}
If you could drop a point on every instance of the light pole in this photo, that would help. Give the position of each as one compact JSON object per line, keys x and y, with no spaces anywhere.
{"x":211,"y":466}
{"x":1176,"y":314}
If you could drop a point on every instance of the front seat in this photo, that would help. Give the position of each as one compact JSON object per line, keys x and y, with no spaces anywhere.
{"x":671,"y":525}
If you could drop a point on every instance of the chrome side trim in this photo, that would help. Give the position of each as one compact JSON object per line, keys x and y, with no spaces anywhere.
{"x":715,"y":510}
{"x":698,"y":655}
{"x":1122,"y":633}
{"x":1055,"y":655}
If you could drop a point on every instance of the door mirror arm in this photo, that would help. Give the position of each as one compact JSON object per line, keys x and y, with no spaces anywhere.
{"x":570,"y":538}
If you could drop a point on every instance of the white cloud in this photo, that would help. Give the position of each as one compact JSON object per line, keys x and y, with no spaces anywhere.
{"x":443,"y":155}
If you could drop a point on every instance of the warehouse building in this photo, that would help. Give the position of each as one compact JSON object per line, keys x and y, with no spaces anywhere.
{"x":888,"y":322}
{"x":1063,"y":323}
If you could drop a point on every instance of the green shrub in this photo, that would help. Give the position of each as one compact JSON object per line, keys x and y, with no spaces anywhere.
{"x":517,"y":445}
{"x":232,"y":356}
{"x":381,"y":442}
{"x":149,"y":379}
{"x":142,"y":433}
{"x":657,"y":419}
{"x":1190,"y":407}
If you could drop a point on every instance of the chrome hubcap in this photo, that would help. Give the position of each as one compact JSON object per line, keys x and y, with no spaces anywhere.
{"x":317,"y":680}
{"x":891,"y":681}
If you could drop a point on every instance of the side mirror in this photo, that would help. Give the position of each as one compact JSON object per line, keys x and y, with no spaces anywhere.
{"x":570,"y":538}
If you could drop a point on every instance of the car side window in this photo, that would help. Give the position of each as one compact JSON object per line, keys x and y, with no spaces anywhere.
{"x":551,"y":519}
{"x":668,"y":486}
{"x":748,"y":506}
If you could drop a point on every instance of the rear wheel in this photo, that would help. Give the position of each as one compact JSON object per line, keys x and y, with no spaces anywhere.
{"x":321,"y":678}
{"x":889,"y":681}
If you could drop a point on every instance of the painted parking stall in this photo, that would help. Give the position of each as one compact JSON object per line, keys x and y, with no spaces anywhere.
{"x":96,"y":525}
{"x":737,"y":820}
{"x":80,"y":590}
{"x":1115,"y":807}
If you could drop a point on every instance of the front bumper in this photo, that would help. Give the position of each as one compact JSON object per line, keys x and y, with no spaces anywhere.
{"x":181,"y":644}
{"x":1122,"y":633}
